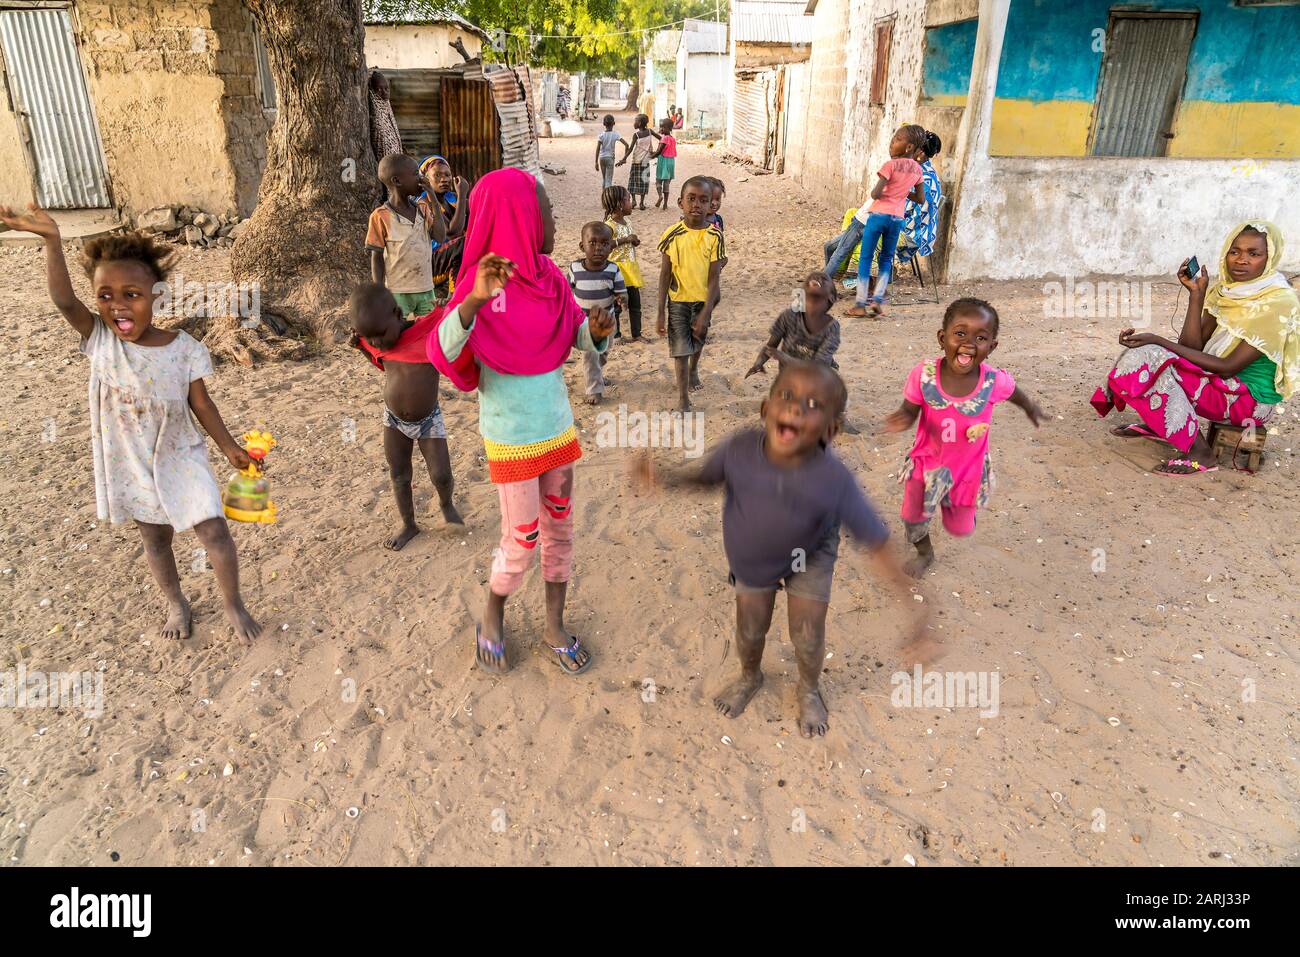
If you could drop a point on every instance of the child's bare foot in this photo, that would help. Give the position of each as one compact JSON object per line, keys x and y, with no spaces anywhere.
{"x":450,"y":515}
{"x":813,"y":718}
{"x":246,"y":629}
{"x":593,"y":400}
{"x":697,"y":385}
{"x":682,"y":408}
{"x":397,"y":542}
{"x":734,"y":696}
{"x":177,"y":625}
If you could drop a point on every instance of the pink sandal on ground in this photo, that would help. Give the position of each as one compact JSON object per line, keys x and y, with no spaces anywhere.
{"x":1196,"y":468}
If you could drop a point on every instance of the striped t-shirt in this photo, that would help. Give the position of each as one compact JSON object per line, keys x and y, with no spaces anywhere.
{"x":596,"y":287}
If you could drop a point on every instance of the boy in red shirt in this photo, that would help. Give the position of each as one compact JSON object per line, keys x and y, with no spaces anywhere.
{"x":899,"y":179}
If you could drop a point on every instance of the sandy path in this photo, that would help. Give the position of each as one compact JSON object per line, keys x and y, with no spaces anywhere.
{"x":447,"y":765}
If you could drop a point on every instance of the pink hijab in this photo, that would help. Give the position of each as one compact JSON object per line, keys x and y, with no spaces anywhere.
{"x":534,"y":332}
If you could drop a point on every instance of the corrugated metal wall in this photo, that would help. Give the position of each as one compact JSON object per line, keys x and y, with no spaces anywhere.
{"x":1142,"y":78}
{"x":471,"y":129}
{"x":753,"y":123}
{"x":416,"y":96}
{"x":49,"y":88}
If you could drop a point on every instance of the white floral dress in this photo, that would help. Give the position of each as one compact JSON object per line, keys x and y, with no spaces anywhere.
{"x":151,"y":460}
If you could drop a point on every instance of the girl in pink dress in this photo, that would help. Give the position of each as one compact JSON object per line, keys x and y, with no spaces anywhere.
{"x":954,"y":394}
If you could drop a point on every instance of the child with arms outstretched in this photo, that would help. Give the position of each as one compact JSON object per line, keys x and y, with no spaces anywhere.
{"x":954,"y":394}
{"x":399,"y":349}
{"x":787,"y":495}
{"x":151,"y":463}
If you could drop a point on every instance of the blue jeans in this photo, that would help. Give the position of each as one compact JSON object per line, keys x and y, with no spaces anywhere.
{"x":881,"y":229}
{"x":839,"y":249}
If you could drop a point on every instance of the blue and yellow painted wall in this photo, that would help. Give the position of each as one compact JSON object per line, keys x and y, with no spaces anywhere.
{"x":1241,"y":98}
{"x":949,"y":50}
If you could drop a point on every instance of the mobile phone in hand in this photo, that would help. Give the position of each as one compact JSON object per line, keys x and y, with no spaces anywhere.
{"x":1193,"y":268}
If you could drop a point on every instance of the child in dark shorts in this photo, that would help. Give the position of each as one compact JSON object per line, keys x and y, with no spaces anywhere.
{"x":411,"y":413}
{"x":787,"y":496}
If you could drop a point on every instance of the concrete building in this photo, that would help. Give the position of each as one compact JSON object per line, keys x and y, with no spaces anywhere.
{"x":131,"y":105}
{"x":1078,"y":138}
{"x":703,"y":77}
{"x":660,"y":70}
{"x":770,"y":43}
{"x":418,"y":40}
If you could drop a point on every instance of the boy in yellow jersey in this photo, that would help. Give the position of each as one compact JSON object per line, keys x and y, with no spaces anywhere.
{"x":689,"y":284}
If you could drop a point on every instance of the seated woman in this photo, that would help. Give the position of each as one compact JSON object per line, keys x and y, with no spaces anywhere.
{"x":1238,"y":355}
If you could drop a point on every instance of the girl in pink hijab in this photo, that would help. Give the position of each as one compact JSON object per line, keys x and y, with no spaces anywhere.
{"x":507,"y":331}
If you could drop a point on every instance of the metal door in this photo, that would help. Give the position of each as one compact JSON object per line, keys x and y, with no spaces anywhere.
{"x":54,"y":114}
{"x":1142,"y":78}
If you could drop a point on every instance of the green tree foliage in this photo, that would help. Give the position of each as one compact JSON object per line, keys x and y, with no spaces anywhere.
{"x":609,"y":33}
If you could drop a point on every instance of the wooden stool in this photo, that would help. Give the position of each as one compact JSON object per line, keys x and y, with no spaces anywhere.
{"x":1234,"y":439}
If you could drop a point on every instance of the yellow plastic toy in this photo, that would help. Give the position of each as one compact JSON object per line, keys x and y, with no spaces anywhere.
{"x":248,"y":493}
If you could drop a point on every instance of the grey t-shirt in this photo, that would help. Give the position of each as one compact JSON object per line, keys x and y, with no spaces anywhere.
{"x":792,"y":328}
{"x":770,"y":511}
{"x":608,"y":140}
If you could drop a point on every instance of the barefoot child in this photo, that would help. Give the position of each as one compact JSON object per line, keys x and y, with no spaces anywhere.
{"x":597,"y":283}
{"x":954,"y":394}
{"x":400,"y":237}
{"x":151,"y":463}
{"x":666,"y":162}
{"x":689,"y":285}
{"x":786,"y":497}
{"x":510,"y":324}
{"x":618,"y":206}
{"x":810,"y":334}
{"x":641,"y":149}
{"x":400,"y":350}
{"x":898,"y":180}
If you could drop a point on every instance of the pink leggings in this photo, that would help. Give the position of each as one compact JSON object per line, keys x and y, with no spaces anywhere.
{"x":957,"y":519}
{"x":538,"y":510}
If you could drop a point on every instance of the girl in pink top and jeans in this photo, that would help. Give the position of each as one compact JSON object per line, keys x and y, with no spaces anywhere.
{"x":899,"y":180}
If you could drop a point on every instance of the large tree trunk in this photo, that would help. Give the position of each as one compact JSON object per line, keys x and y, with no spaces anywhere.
{"x":633,"y":93}
{"x":305,"y":241}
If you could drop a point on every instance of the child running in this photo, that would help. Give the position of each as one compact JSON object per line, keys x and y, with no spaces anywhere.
{"x":666,"y":162}
{"x":606,"y":143}
{"x":898,"y":180}
{"x":597,"y":283}
{"x":689,"y":285}
{"x":787,"y":495}
{"x":146,"y":390}
{"x":954,"y":394}
{"x":641,"y":150}
{"x":618,"y":206}
{"x":511,"y":322}
{"x":400,"y":350}
{"x":400,"y":237}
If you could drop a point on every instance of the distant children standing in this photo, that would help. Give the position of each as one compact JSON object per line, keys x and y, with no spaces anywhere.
{"x":787,"y":497}
{"x":146,"y":391}
{"x":605,"y":145}
{"x":898,"y":180}
{"x":400,"y":350}
{"x":510,"y":324}
{"x":666,"y":162}
{"x":618,"y":206}
{"x":401,"y":234}
{"x":641,"y":150}
{"x":597,"y":283}
{"x":689,"y":284}
{"x":954,"y":394}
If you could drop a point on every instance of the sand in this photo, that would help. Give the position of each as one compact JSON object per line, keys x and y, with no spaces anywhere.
{"x":1121,"y":737}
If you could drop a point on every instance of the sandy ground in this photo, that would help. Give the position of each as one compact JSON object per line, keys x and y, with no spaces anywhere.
{"x":1147,"y":702}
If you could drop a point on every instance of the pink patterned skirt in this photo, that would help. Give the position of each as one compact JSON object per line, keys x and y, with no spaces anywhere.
{"x":1172,"y":394}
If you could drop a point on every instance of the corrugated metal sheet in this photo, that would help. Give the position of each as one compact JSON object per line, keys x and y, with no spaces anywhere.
{"x":777,"y":22}
{"x":1142,"y":78}
{"x":45,"y":74}
{"x":750,"y":133}
{"x":416,"y":96}
{"x":471,"y":129}
{"x":418,"y":13}
{"x":705,"y":41}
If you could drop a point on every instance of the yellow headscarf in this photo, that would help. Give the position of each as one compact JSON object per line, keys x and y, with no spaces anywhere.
{"x":1262,"y":312}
